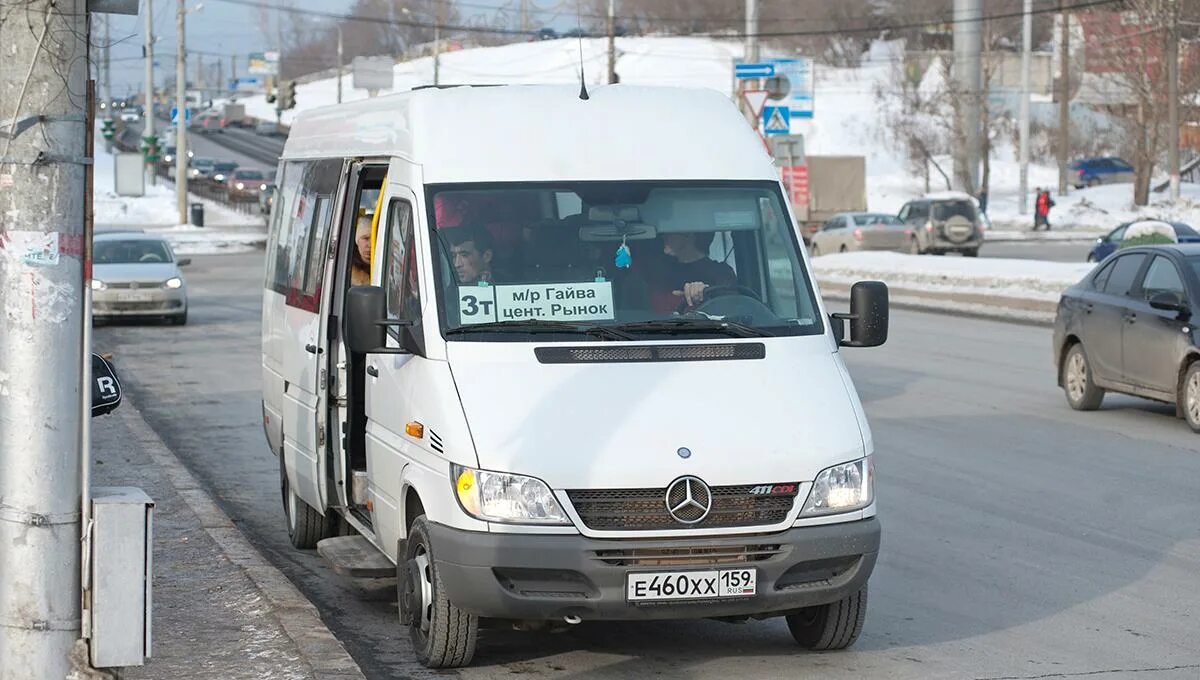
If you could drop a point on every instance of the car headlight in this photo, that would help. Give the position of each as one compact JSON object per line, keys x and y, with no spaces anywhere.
{"x":97,"y":284}
{"x":219,"y":177}
{"x":194,"y":173}
{"x":240,"y":186}
{"x":168,"y":158}
{"x":262,"y":187}
{"x":174,"y":282}
{"x":841,"y":488}
{"x":500,"y":497}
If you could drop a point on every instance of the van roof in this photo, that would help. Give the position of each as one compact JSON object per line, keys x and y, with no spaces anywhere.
{"x":541,"y":133}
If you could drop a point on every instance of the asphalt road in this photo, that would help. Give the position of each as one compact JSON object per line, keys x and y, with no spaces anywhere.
{"x":1021,"y":539}
{"x":208,"y":146}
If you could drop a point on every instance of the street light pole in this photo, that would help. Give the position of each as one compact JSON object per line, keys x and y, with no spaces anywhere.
{"x":1026,"y":58}
{"x":43,"y":161}
{"x":437,"y":43}
{"x":148,"y":117}
{"x":1172,"y":57}
{"x":181,"y":166}
{"x":612,"y":41}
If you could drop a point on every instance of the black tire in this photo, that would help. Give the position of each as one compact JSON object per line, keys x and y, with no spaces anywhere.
{"x":1078,"y":385}
{"x":306,"y":527}
{"x":914,"y":246}
{"x":843,"y":249}
{"x":830,"y":626}
{"x":442,"y":635}
{"x":1189,"y":396}
{"x":971,"y":252}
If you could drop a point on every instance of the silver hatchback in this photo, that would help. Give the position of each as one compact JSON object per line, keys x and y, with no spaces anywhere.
{"x":137,"y":275}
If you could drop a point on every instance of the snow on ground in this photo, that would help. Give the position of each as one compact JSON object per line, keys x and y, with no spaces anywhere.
{"x":156,"y":212}
{"x":1019,"y":279}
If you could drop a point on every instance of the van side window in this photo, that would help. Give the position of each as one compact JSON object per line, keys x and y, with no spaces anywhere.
{"x":400,"y":265}
{"x":300,"y":235}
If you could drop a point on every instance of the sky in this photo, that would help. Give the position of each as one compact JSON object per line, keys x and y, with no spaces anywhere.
{"x":218,"y":27}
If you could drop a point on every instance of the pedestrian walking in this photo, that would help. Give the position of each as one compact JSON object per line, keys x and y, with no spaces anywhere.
{"x":1041,"y":211}
{"x":982,"y":198}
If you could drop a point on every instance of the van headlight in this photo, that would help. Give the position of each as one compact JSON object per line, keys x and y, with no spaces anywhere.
{"x":500,"y":497}
{"x":240,"y":186}
{"x":97,"y":284}
{"x":174,"y":282}
{"x":841,"y":488}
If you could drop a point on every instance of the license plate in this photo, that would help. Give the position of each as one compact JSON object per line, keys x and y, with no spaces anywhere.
{"x":690,"y":585}
{"x":133,"y":297}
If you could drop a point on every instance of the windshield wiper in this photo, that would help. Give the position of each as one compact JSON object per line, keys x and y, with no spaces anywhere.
{"x":541,"y":326}
{"x":680,"y":326}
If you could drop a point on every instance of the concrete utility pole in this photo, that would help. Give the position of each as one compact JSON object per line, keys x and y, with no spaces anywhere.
{"x":1064,"y":98}
{"x":1172,"y":57}
{"x":148,"y":129}
{"x":751,"y":31}
{"x":968,"y":70}
{"x":107,"y":82}
{"x":437,"y":41}
{"x":181,"y":165}
{"x":612,"y":41}
{"x":42,"y":278}
{"x":339,"y":64}
{"x":1026,"y":58}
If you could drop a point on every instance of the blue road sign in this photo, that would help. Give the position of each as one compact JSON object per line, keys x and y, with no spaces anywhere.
{"x":765,"y":70}
{"x":776,"y":120}
{"x":187,"y":115}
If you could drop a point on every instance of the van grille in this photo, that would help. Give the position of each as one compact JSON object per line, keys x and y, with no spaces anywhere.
{"x":646,"y":509}
{"x":687,"y":556}
{"x":650,"y":353}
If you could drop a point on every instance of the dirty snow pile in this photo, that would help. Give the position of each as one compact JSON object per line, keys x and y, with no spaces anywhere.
{"x":1033,"y":280}
{"x":156,"y":212}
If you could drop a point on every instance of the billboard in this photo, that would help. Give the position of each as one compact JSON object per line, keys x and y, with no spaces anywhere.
{"x":263,"y":63}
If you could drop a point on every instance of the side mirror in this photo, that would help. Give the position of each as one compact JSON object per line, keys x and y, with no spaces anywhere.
{"x":183,"y":261}
{"x":1169,"y":302}
{"x":365,"y":325}
{"x":106,"y":389}
{"x":868,"y":316}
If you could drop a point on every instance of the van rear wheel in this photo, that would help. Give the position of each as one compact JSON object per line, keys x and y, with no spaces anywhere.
{"x":830,"y":626}
{"x":305,"y":525}
{"x":443,"y":636}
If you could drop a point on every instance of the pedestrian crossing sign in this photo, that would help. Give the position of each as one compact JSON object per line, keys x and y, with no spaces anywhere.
{"x":776,"y":120}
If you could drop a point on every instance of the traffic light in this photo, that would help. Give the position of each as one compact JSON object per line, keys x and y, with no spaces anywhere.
{"x":107,"y":129}
{"x":150,"y":148}
{"x":287,"y":95}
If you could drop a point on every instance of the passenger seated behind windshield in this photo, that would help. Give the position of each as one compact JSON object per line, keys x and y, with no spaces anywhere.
{"x":691,"y":270}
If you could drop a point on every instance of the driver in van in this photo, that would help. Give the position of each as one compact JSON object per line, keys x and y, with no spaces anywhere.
{"x":692,"y":270}
{"x":471,"y":253}
{"x":360,"y":262}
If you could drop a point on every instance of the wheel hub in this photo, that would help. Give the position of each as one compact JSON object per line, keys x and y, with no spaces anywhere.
{"x":418,"y":592}
{"x":1192,"y":398}
{"x":1076,"y":376}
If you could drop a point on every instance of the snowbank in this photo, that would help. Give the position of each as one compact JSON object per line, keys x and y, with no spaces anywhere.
{"x":156,"y":208}
{"x":1033,"y":280}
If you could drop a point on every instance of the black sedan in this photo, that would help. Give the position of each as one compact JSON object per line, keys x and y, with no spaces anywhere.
{"x":1129,"y":327}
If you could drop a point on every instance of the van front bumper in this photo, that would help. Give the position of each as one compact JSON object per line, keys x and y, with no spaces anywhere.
{"x":551,"y":576}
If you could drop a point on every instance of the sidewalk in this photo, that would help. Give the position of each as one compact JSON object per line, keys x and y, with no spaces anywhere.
{"x":220,"y":609}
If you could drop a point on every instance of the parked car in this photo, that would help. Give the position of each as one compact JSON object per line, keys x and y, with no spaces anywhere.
{"x":266,"y":198}
{"x":1089,"y":172}
{"x":137,"y":275}
{"x":1129,"y":327}
{"x":943,"y":223}
{"x":246,"y":184}
{"x":1107,"y":244}
{"x":222,"y":171}
{"x":544,"y":34}
{"x":860,"y":231}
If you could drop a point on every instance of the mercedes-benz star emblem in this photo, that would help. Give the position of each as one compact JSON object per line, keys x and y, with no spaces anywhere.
{"x":688,"y":500}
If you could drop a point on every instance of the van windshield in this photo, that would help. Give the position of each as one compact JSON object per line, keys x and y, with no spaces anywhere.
{"x":618,"y":260}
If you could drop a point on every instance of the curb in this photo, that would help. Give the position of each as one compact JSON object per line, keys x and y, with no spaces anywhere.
{"x":902,"y":299}
{"x":299,"y":618}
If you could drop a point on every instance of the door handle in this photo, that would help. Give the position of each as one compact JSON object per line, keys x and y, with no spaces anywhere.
{"x":1088,"y":307}
{"x":372,"y":371}
{"x":312,"y":349}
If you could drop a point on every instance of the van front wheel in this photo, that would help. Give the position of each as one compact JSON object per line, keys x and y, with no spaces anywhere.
{"x":443,"y":636}
{"x":830,"y":626}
